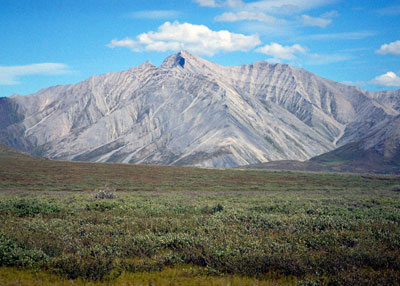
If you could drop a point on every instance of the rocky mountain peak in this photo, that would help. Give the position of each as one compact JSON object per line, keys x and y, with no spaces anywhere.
{"x":188,"y":62}
{"x":190,"y":111}
{"x":176,"y":60}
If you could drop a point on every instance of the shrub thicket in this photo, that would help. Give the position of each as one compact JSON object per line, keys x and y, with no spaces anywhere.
{"x":334,"y":239}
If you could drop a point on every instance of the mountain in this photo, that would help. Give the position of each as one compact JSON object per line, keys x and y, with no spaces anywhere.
{"x":376,"y":152}
{"x":189,"y":111}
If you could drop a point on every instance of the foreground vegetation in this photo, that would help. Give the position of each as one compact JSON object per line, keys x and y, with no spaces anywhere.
{"x":183,"y":275}
{"x":187,"y":226}
{"x":338,"y":237}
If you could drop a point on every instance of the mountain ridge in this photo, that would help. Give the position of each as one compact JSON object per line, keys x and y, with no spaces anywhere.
{"x":190,"y":111}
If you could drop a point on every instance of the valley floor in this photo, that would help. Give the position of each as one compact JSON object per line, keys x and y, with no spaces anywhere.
{"x":65,"y":223}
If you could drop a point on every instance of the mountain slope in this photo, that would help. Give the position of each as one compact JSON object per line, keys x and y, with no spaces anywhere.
{"x":377,"y":152}
{"x":13,"y":154}
{"x":190,"y":111}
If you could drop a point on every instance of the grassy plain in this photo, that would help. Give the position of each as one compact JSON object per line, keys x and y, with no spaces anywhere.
{"x":190,"y":226}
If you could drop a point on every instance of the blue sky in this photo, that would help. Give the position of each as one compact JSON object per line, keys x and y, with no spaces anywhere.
{"x":45,"y":43}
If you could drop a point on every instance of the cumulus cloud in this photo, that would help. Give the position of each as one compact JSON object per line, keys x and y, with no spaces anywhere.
{"x":279,"y":52}
{"x":387,"y":79}
{"x":196,"y":38}
{"x":247,"y":16}
{"x":126,"y":43}
{"x":391,"y":48}
{"x":9,"y":75}
{"x":155,"y":14}
{"x":297,"y":54}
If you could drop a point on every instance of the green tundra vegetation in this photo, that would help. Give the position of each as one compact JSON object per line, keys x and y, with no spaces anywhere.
{"x":64,"y":223}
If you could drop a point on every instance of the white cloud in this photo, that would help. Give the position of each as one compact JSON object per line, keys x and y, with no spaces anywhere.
{"x":387,"y":79}
{"x":246,"y":16}
{"x":220,"y":3}
{"x":275,"y":6}
{"x":155,"y":14}
{"x":195,"y":38}
{"x":330,"y":14}
{"x":325,"y":59}
{"x":281,"y":6}
{"x":296,"y":54}
{"x":288,"y":6}
{"x":208,"y":3}
{"x":391,"y":48}
{"x":127,"y":43}
{"x":341,"y":36}
{"x":282,"y":29}
{"x":315,"y":21}
{"x":9,"y":75}
{"x":285,"y":15}
{"x":279,"y":52}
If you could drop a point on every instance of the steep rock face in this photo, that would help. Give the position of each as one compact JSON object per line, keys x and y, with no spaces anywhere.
{"x":10,"y":131}
{"x":190,"y":111}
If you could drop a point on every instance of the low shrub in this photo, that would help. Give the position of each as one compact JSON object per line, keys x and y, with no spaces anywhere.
{"x":28,"y":207}
{"x":101,"y":206}
{"x":11,"y":254}
{"x":229,"y":233}
{"x":212,"y":210}
{"x":94,"y":266}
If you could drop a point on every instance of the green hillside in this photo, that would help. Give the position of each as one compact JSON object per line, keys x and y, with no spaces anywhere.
{"x":350,"y":158}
